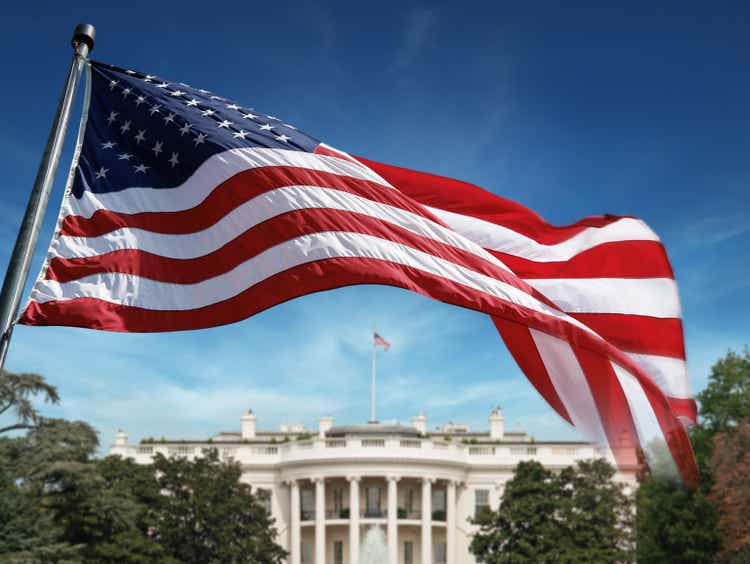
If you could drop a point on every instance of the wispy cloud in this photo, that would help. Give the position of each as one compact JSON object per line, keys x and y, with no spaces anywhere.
{"x":419,"y":27}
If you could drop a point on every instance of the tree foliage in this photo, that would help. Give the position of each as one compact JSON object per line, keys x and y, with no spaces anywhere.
{"x":730,"y":464}
{"x":579,"y":515}
{"x":58,"y":503}
{"x":206,"y":514}
{"x":16,"y":394}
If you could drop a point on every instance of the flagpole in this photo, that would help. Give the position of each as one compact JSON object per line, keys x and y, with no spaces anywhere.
{"x":372,"y":383}
{"x":20,"y":261}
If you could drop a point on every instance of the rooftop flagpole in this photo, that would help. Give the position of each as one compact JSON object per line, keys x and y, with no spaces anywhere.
{"x":372,"y":383}
{"x":20,"y":261}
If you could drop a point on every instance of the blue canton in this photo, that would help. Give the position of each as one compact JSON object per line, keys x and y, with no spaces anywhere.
{"x":146,"y":131}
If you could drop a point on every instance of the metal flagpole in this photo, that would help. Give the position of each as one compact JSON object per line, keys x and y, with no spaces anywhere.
{"x":372,"y":384}
{"x":20,"y":260}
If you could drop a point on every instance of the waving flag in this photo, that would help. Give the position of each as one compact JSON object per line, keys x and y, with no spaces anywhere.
{"x":378,"y":341}
{"x":185,"y":210}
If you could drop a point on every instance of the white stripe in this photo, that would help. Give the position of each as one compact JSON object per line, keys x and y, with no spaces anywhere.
{"x":135,"y":291}
{"x":216,"y":169}
{"x":571,"y":385}
{"x":650,"y":435}
{"x":670,"y":374}
{"x":503,"y":239}
{"x":253,"y":212}
{"x":654,"y":297}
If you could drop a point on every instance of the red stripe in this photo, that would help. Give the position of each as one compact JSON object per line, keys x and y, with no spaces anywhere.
{"x":620,"y":259}
{"x":331,"y":152}
{"x":638,"y":333}
{"x":685,"y":409}
{"x":232,"y":193}
{"x":258,"y":239}
{"x":675,"y":435}
{"x":467,"y":199}
{"x":612,"y":406}
{"x":521,"y":345}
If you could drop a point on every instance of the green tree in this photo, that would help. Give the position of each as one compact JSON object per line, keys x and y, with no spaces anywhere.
{"x":16,"y":393}
{"x":595,"y":514}
{"x":578,"y":515}
{"x":524,"y":528}
{"x":206,"y":514}
{"x":674,"y":524}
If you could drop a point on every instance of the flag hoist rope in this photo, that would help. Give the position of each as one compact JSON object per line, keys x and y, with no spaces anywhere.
{"x":28,"y":233}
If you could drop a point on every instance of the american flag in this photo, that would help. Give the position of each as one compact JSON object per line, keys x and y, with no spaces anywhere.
{"x":378,"y":341}
{"x":186,"y":210}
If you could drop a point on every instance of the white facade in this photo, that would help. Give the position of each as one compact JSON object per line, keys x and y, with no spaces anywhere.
{"x":327,"y":489}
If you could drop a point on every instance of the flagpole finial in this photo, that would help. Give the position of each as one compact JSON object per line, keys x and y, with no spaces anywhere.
{"x":84,"y":33}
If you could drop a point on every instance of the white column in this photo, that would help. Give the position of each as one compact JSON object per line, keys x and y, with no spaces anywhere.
{"x":353,"y":519}
{"x":320,"y":521}
{"x":427,"y":520}
{"x":294,"y":530}
{"x":393,"y":519}
{"x":450,"y":523}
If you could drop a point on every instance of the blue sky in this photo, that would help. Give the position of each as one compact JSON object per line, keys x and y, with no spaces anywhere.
{"x":572,"y":109}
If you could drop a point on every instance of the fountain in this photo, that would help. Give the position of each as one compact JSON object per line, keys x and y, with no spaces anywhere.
{"x":373,"y":550}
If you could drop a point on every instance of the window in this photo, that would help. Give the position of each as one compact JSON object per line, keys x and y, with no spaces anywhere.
{"x":440,"y":553}
{"x":307,"y":553}
{"x":373,"y":503}
{"x":438,"y":505}
{"x":307,"y":503}
{"x":264,"y":498}
{"x":408,"y":552}
{"x":409,"y":502}
{"x":481,"y":502}
{"x":338,"y":501}
{"x":338,"y":552}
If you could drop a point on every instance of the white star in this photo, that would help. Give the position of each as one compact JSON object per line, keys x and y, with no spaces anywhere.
{"x":149,"y":78}
{"x":185,"y":129}
{"x":126,"y":92}
{"x":108,"y":145}
{"x":154,"y":109}
{"x":102,"y":173}
{"x":240,"y":134}
{"x":177,"y":93}
{"x":139,"y":100}
{"x":248,"y":115}
{"x":130,"y":72}
{"x":157,"y":148}
{"x":200,"y":139}
{"x":113,"y":83}
{"x":124,"y":157}
{"x":141,"y":136}
{"x":141,"y":168}
{"x":162,"y":85}
{"x":174,"y":161}
{"x":233,"y":106}
{"x":266,"y":127}
{"x":283,"y":138}
{"x":208,"y":112}
{"x":192,"y":102}
{"x":169,"y":118}
{"x":125,"y":127}
{"x":112,"y":116}
{"x":226,"y":123}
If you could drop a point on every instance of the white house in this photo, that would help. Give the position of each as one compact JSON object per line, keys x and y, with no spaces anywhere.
{"x":376,"y":493}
